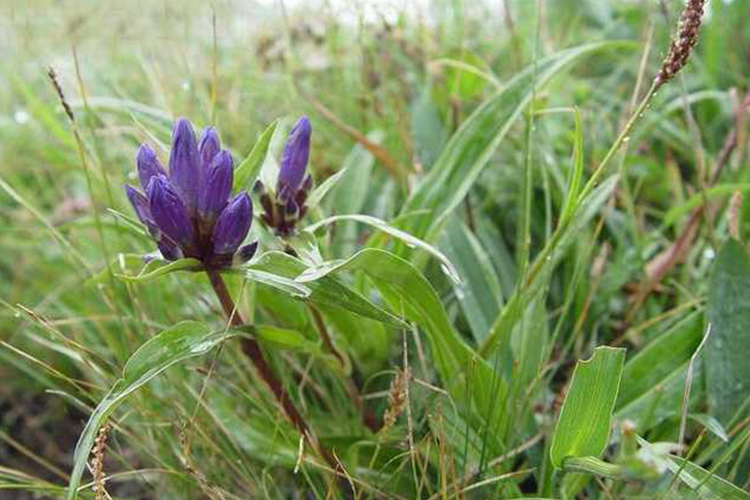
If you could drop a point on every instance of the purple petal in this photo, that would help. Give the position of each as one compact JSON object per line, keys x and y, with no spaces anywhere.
{"x":217,"y":186}
{"x":295,"y":157}
{"x":283,"y":194}
{"x":140,"y":204}
{"x":246,"y":253}
{"x":169,"y":212}
{"x":232,"y":224}
{"x":184,"y":163}
{"x":208,"y":146}
{"x":291,"y":210}
{"x":148,"y":165}
{"x":169,"y":250}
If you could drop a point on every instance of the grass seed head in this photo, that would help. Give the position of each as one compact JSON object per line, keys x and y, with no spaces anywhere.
{"x":682,"y":45}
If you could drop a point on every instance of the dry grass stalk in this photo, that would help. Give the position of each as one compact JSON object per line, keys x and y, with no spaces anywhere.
{"x":396,"y":399}
{"x":682,"y":45}
{"x":97,"y":463}
{"x":735,"y":215}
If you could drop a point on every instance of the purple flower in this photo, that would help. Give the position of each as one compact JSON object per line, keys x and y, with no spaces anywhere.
{"x":187,"y":211}
{"x":293,"y":185}
{"x":294,"y":160}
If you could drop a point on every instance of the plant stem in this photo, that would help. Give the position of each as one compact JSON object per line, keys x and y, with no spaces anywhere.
{"x":368,"y":417}
{"x":251,"y":348}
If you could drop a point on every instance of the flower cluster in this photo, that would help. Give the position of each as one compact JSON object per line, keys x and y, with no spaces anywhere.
{"x":286,"y":206}
{"x":188,"y":211}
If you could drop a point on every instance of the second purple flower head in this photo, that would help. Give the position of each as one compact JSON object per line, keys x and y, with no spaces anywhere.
{"x":287,"y":206}
{"x":188,"y":211}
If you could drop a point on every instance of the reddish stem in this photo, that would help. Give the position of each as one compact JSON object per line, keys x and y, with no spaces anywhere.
{"x":252,"y":349}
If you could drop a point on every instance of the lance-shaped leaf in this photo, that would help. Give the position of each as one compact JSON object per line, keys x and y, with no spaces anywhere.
{"x":586,"y":415}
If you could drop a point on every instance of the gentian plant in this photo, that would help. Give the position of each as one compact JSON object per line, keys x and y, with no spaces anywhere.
{"x":283,"y":208}
{"x":188,"y":211}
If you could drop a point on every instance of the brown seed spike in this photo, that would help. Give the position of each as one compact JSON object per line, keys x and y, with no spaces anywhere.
{"x":58,"y":89}
{"x":682,"y":46}
{"x":396,"y":399}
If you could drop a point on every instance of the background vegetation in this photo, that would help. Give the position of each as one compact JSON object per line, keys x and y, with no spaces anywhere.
{"x":475,"y":127}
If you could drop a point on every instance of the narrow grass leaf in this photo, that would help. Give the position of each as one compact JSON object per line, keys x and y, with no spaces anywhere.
{"x":158,"y":267}
{"x":317,"y":194}
{"x":471,"y":147}
{"x":445,"y":264}
{"x":324,"y":290}
{"x":576,"y":172}
{"x":249,"y":168}
{"x":408,"y":292}
{"x":660,"y":358}
{"x":350,"y":193}
{"x":479,"y":292}
{"x":706,"y":484}
{"x":728,"y":348}
{"x":698,"y":199}
{"x":182,"y":341}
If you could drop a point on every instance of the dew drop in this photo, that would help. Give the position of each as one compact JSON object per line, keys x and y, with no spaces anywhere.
{"x":21,"y":116}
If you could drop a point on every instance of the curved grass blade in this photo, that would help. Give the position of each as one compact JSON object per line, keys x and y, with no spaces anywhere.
{"x":445,"y":264}
{"x":247,"y":171}
{"x":182,"y":341}
{"x":471,"y":147}
{"x":471,"y":380}
{"x":159,"y":267}
{"x":325,"y":290}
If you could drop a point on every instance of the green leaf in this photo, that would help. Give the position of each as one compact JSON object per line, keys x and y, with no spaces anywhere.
{"x":593,"y":465}
{"x":661,"y":401}
{"x":247,"y":171}
{"x":583,"y":212}
{"x":711,"y":424}
{"x":707,"y":484}
{"x":698,"y":199}
{"x":129,"y":223}
{"x":350,"y":193}
{"x":471,"y":147}
{"x":728,"y":347}
{"x":479,"y":293}
{"x":317,"y":194}
{"x":283,"y":337}
{"x":326,"y":290}
{"x":576,"y":172}
{"x":123,"y":262}
{"x":420,"y":300}
{"x":159,"y":267}
{"x":427,"y":129}
{"x":670,"y":351}
{"x":281,"y":283}
{"x":180,"y":342}
{"x":411,"y":295}
{"x":586,"y":415}
{"x":445,"y":264}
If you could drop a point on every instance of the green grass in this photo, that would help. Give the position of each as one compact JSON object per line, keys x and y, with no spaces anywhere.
{"x":492,"y":209}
